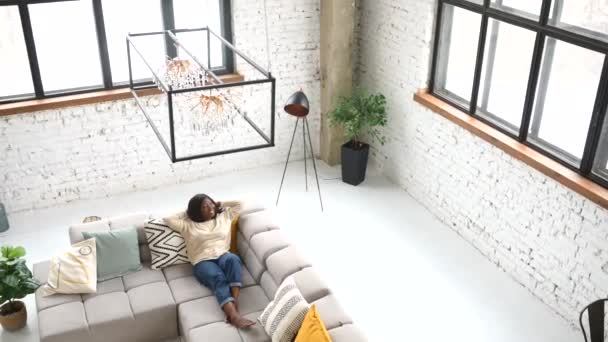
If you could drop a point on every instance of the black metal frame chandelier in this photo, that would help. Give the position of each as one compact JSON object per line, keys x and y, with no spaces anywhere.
{"x":206,"y":79}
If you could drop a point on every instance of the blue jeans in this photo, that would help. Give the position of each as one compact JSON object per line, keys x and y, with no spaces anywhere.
{"x":219,"y":275}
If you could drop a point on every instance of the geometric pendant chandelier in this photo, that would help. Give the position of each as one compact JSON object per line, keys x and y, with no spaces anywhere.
{"x":187,"y":75}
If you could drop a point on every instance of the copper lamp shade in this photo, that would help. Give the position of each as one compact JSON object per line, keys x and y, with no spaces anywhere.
{"x":297,"y":104}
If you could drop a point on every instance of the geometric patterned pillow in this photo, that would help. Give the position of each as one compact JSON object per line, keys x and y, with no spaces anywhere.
{"x":284,"y":315}
{"x":166,"y":245}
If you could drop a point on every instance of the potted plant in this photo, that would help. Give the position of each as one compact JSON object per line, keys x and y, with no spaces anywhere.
{"x":16,"y":282}
{"x":358,"y":114}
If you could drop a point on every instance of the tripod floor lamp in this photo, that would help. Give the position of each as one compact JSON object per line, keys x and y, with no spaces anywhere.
{"x":297,"y":105}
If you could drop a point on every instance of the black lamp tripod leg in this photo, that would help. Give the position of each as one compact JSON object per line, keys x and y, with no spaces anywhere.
{"x":313,"y":161}
{"x":304,"y":141}
{"x":287,"y":161}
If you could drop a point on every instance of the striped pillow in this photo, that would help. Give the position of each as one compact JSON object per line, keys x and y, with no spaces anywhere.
{"x":283,"y":316}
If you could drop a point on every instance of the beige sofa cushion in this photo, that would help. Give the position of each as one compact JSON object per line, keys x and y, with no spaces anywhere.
{"x":219,"y":331}
{"x":255,"y":333}
{"x":63,"y":323}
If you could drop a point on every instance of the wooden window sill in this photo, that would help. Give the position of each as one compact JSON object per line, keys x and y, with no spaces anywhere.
{"x":87,"y":98}
{"x":514,"y":148}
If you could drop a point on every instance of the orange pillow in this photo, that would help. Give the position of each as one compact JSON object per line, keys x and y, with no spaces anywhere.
{"x":234,"y":228}
{"x":313,"y":329}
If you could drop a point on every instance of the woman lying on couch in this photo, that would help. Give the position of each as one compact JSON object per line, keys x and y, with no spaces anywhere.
{"x":205,"y":227}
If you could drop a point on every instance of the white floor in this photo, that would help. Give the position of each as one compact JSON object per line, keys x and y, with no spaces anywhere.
{"x":401,"y":274}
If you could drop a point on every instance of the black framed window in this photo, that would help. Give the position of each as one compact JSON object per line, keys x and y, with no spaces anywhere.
{"x":536,"y":70}
{"x":44,"y":56}
{"x":15,"y":66}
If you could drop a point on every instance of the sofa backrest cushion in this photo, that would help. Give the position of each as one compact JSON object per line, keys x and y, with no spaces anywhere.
{"x":137,"y":220}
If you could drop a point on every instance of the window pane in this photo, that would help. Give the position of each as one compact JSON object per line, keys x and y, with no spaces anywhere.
{"x":15,"y":67}
{"x":67,"y":50}
{"x":457,"y":53}
{"x":505,"y":73}
{"x":196,"y":14}
{"x":588,"y":17}
{"x":565,"y":96}
{"x":525,"y":8}
{"x":601,"y":157}
{"x":133,"y":16}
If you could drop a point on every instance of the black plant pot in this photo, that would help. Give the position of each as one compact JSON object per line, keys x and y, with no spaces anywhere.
{"x":354,"y":162}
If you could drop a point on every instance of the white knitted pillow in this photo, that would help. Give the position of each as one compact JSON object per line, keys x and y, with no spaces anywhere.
{"x":283,"y":316}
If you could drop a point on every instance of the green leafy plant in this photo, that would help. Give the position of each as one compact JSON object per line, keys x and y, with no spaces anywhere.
{"x":16,"y":280}
{"x":358,"y":113}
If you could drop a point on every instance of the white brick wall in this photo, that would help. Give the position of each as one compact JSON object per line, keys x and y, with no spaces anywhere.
{"x":547,"y":237}
{"x":57,"y":156}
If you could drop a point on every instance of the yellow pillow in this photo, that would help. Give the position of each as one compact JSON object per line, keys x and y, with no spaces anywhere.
{"x":313,"y":329}
{"x":234,"y":228}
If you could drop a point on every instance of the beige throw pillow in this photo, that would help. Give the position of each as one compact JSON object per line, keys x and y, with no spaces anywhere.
{"x":73,"y":271}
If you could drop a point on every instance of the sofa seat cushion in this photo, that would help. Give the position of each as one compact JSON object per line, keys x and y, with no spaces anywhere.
{"x":252,"y":299}
{"x":63,"y":323}
{"x":188,"y":288}
{"x":142,"y":277}
{"x":55,"y":300}
{"x":110,"y":316}
{"x":347,"y":333}
{"x":219,"y":331}
{"x":154,"y":311}
{"x":255,"y":333}
{"x":177,"y":271}
{"x":108,"y":286}
{"x":40,"y":272}
{"x":198,"y":312}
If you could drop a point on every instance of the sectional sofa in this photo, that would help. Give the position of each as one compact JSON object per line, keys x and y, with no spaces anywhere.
{"x":168,"y":304}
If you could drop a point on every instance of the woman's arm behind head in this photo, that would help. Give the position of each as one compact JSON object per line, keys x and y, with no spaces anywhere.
{"x":232,"y":208}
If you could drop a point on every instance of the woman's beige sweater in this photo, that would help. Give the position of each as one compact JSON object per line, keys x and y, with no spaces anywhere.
{"x":205,"y":240}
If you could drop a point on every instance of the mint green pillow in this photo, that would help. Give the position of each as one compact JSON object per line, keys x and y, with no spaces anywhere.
{"x":117,"y":252}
